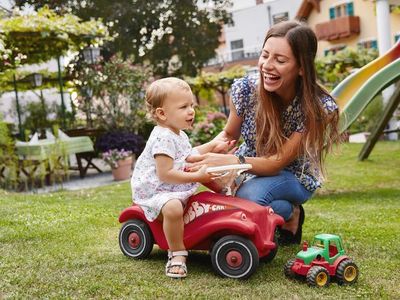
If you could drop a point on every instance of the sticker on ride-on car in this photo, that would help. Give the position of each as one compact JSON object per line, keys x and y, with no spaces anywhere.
{"x":197,"y":209}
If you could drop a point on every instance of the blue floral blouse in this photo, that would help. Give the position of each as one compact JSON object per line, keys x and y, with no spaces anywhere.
{"x":244,"y":98}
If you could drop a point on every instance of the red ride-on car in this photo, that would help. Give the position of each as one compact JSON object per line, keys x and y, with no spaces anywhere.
{"x":237,"y":232}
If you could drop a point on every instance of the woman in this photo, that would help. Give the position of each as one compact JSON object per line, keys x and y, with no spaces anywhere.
{"x":288,"y":123}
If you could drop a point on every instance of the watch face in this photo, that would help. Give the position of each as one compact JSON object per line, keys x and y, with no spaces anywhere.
{"x":242,"y":159}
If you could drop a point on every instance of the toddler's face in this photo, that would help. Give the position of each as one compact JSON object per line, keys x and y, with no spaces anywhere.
{"x":177,"y":110}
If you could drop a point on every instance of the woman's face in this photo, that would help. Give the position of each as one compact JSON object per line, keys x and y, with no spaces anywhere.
{"x":279,"y":68}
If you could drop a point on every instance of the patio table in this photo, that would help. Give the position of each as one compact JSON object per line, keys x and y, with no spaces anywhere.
{"x":40,"y":152}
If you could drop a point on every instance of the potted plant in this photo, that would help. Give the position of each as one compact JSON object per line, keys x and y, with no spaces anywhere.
{"x":120,"y":162}
{"x":119,"y":149}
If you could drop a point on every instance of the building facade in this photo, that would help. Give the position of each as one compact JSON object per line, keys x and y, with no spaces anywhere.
{"x":347,"y":23}
{"x":241,"y":42}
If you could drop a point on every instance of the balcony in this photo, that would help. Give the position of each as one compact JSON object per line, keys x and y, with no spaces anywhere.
{"x":237,"y":55}
{"x":338,"y":28}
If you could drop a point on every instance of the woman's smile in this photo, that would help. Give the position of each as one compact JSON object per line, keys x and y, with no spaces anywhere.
{"x":270,"y":78}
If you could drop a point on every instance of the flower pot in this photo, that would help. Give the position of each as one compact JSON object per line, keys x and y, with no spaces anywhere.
{"x":124,"y":169}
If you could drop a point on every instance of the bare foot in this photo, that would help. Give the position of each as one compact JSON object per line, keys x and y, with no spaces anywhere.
{"x":293,"y":223}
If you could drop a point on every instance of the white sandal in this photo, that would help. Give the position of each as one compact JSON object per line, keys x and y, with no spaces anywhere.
{"x":171,"y":264}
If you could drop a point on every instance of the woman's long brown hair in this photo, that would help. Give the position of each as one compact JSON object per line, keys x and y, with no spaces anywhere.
{"x":321,"y":129}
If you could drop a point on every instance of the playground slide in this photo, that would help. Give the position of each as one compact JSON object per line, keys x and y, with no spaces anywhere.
{"x":355,"y":92}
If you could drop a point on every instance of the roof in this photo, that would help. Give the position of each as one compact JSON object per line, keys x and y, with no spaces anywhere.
{"x":306,"y":7}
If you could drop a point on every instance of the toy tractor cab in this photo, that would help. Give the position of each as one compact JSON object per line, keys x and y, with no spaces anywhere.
{"x":324,"y":259}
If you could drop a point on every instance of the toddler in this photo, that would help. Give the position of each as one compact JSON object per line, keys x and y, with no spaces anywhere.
{"x":159,"y":183}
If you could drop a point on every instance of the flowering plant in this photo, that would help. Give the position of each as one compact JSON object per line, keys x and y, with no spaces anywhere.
{"x":114,"y":155}
{"x":205,"y":130}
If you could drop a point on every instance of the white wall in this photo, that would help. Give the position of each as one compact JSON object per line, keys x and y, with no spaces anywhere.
{"x":252,"y":22}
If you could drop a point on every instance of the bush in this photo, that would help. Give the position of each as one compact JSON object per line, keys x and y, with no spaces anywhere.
{"x":334,"y":68}
{"x":8,"y":158}
{"x":207,"y":126}
{"x":121,"y":140}
{"x":369,"y":117}
{"x":116,"y":98}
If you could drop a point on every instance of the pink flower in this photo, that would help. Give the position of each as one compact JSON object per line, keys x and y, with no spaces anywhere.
{"x":113,"y":156}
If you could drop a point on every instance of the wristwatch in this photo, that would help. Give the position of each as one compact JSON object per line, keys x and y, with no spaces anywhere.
{"x":242,"y":159}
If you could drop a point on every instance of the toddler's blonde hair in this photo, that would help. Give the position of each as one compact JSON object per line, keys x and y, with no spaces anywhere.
{"x":159,"y":90}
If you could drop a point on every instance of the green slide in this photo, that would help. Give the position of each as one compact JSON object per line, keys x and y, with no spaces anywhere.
{"x":355,"y":92}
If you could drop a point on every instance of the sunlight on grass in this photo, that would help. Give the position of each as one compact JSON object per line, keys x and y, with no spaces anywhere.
{"x":65,"y":244}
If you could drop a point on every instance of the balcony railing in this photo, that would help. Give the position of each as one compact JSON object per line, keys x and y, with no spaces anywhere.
{"x":235,"y":55}
{"x":338,"y":28}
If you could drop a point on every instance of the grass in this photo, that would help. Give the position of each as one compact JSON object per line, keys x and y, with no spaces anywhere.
{"x":64,"y":244}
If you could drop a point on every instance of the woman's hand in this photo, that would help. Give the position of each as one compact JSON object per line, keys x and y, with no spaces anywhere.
{"x":224,"y":146}
{"x":210,"y":160}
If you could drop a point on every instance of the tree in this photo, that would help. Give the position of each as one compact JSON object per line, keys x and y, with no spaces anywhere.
{"x":176,"y":37}
{"x":35,"y":38}
{"x":220,"y":82}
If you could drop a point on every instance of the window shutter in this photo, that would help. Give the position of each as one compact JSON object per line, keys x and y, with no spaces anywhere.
{"x":332,"y":13}
{"x":396,"y":38}
{"x":374,"y":44}
{"x":350,"y":9}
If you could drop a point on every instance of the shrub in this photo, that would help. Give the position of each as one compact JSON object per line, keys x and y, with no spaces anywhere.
{"x":121,"y":140}
{"x":207,"y":127}
{"x":116,"y":97}
{"x":369,"y":117}
{"x":8,"y":158}
{"x":334,"y":68}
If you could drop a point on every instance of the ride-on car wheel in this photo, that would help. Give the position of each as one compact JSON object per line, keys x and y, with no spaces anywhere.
{"x":318,"y":276}
{"x":135,"y":239}
{"x":347,"y":272}
{"x":234,"y":257}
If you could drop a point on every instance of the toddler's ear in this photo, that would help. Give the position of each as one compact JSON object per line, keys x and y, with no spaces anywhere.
{"x":160,"y":114}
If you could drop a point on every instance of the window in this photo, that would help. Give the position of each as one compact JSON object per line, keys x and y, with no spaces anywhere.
{"x":280,"y":17}
{"x":341,"y":10}
{"x":372,"y":43}
{"x":237,"y":49}
{"x":333,"y":249}
{"x":334,"y":49}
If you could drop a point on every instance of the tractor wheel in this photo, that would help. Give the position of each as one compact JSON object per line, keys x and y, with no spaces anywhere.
{"x":234,"y":257}
{"x":287,"y":269}
{"x":318,"y":276}
{"x":136,"y":239}
{"x":347,"y":272}
{"x":271,"y":255}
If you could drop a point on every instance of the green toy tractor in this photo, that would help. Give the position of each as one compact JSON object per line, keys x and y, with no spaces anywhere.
{"x":324,"y":259}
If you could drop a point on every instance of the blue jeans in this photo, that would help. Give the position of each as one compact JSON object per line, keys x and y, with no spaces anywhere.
{"x":280,"y":192}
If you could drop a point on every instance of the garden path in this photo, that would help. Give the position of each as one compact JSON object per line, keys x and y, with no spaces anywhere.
{"x":91,"y":180}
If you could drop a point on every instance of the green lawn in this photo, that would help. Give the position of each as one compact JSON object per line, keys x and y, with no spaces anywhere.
{"x":64,"y":244}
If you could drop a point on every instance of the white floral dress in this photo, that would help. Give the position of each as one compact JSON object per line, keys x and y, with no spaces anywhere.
{"x":147,"y":190}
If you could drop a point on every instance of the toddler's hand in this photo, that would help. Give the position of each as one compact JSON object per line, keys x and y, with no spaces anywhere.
{"x":202,"y":175}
